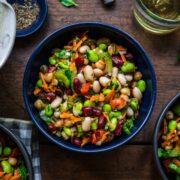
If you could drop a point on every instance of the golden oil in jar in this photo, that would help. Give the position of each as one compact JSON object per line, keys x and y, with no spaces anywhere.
{"x":158,"y":16}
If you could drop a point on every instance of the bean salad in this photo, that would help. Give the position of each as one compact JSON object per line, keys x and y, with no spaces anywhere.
{"x":90,"y":91}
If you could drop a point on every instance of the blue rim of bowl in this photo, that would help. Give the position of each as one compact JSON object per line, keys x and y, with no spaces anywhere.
{"x":20,"y":34}
{"x":22,"y":148}
{"x":99,"y":24}
{"x":156,"y":131}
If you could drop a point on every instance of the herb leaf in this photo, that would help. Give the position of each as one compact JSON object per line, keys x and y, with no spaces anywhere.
{"x":23,"y":171}
{"x":68,"y":3}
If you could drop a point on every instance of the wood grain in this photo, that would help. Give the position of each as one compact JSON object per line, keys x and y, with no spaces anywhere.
{"x":133,"y":161}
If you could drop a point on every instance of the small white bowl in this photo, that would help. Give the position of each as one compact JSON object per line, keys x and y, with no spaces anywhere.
{"x":7,"y":30}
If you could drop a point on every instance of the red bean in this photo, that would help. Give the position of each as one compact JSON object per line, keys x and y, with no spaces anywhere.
{"x":48,"y":96}
{"x":87,"y":111}
{"x":96,"y":112}
{"x":118,"y":130}
{"x":117,"y":61}
{"x":69,"y":92}
{"x":129,"y":56}
{"x":77,"y":85}
{"x":102,"y":121}
{"x":77,"y":141}
{"x":52,"y":127}
{"x":79,"y":61}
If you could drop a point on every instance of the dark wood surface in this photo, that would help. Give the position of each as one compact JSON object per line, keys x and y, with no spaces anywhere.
{"x":133,"y":161}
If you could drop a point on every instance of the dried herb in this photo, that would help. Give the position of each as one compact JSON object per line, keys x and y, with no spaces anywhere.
{"x":26,"y":13}
{"x":68,"y":3}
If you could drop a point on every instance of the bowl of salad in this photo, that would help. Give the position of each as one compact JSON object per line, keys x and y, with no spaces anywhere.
{"x":89,"y":87}
{"x":166,"y":140}
{"x":15,"y":163}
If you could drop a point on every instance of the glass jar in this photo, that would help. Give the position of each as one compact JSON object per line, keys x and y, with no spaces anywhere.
{"x":152,"y":22}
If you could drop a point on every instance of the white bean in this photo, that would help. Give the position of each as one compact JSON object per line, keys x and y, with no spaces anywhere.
{"x":104,"y":81}
{"x":57,"y":101}
{"x":114,"y":72}
{"x":96,"y":86}
{"x":86,"y":124}
{"x":83,"y":49}
{"x":98,"y":72}
{"x":57,"y":114}
{"x":81,"y":78}
{"x":129,"y":77}
{"x":100,"y":64}
{"x":125,"y":97}
{"x":125,"y":91}
{"x":129,"y":112}
{"x":59,"y":123}
{"x":54,"y":82}
{"x":137,"y":93}
{"x":122,"y":79}
{"x":88,"y":73}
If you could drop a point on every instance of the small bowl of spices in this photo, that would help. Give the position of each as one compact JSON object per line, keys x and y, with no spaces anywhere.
{"x":30,"y":15}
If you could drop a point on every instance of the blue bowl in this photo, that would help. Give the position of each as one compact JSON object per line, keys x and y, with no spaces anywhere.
{"x":96,"y":30}
{"x":158,"y":125}
{"x":43,"y":6}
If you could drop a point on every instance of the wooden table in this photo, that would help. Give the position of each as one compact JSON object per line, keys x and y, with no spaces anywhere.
{"x":132,"y":161}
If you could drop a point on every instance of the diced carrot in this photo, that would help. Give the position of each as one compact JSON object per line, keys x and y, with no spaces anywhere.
{"x":79,"y":43}
{"x":68,"y":47}
{"x":37,"y":91}
{"x":7,"y":176}
{"x":110,"y":95}
{"x":118,"y":103}
{"x":72,"y":66}
{"x":85,"y":140}
{"x":1,"y":174}
{"x":176,"y":161}
{"x":101,"y":97}
{"x":94,"y":98}
{"x":17,"y":177}
{"x":123,"y":57}
{"x":85,"y":88}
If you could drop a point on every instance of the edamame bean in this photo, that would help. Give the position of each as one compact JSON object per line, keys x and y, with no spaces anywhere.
{"x":92,"y":56}
{"x":94,"y":125}
{"x":128,"y":67}
{"x":48,"y":110}
{"x":7,"y":151}
{"x":6,"y":166}
{"x":52,"y":61}
{"x":89,"y":103}
{"x":141,"y":84}
{"x":106,"y":91}
{"x":67,"y":131}
{"x":113,"y":124}
{"x":77,"y":109}
{"x":134,"y":104}
{"x":106,"y":108}
{"x":102,"y":46}
{"x":39,"y":83}
{"x":172,"y":125}
{"x":114,"y":114}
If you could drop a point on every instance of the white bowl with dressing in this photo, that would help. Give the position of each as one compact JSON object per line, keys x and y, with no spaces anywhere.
{"x":7,"y":30}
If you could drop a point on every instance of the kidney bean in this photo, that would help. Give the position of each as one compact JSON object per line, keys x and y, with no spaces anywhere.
{"x":52,"y":127}
{"x":77,"y":141}
{"x":80,"y":69}
{"x":129,"y":56}
{"x":118,"y":130}
{"x":15,"y":153}
{"x":96,"y":112}
{"x":51,"y":69}
{"x":102,"y":121}
{"x":87,"y":111}
{"x":69,"y":92}
{"x":79,"y":61}
{"x":117,"y":61}
{"x":47,"y":96}
{"x":77,"y":85}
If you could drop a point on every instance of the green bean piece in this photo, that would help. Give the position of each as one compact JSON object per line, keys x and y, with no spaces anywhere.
{"x":52,"y":61}
{"x":6,"y":166}
{"x":94,"y":125}
{"x":89,"y":103}
{"x":92,"y":56}
{"x":39,"y":83}
{"x":63,"y":54}
{"x":176,"y":108}
{"x":7,"y":151}
{"x":128,"y":67}
{"x":172,"y":125}
{"x":107,"y":108}
{"x":113,"y":124}
{"x":61,"y":77}
{"x":67,"y":131}
{"x":63,"y":65}
{"x":134,"y":104}
{"x":174,"y":167}
{"x":109,"y":64}
{"x":49,"y":110}
{"x":115,"y":114}
{"x":115,"y":84}
{"x":127,"y":126}
{"x":141,"y":84}
{"x":168,"y":153}
{"x":102,"y":46}
{"x":80,"y":131}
